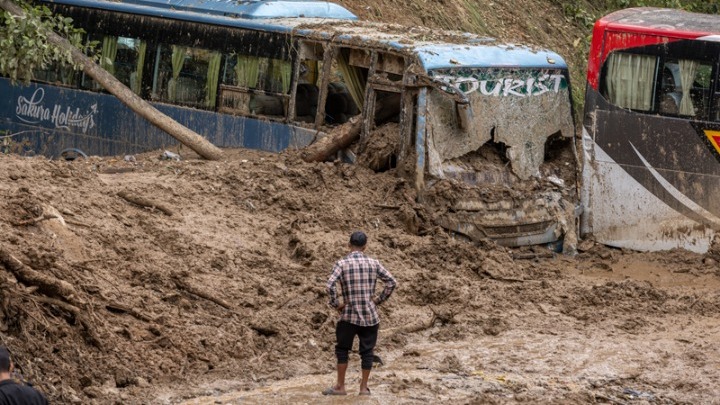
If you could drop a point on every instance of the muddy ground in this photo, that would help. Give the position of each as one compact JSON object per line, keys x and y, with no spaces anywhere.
{"x":216,"y":295}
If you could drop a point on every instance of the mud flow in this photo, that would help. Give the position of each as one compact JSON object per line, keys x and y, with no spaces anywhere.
{"x":160,"y":281}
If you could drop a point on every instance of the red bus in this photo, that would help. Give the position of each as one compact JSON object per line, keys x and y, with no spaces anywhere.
{"x":651,"y":130}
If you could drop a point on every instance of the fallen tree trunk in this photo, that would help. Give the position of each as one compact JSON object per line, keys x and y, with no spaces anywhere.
{"x":202,"y":294}
{"x":343,"y":136}
{"x":186,"y":136}
{"x":144,"y":202}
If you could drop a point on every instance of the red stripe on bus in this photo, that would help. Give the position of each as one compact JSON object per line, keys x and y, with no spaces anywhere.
{"x":608,"y":37}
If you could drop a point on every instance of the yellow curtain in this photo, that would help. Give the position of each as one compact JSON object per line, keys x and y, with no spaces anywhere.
{"x":178,"y":60}
{"x":136,"y":82}
{"x":312,"y":71}
{"x":213,"y":75}
{"x":281,"y":73}
{"x":246,"y":71}
{"x":688,"y":69}
{"x":353,"y":79}
{"x":631,"y":80}
{"x":108,"y":54}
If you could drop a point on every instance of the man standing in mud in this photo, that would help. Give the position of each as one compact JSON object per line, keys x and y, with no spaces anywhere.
{"x":12,"y":393}
{"x":358,"y":275}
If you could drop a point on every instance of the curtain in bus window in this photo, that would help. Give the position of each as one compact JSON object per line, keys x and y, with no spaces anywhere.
{"x":311,"y":71}
{"x":247,"y":70}
{"x":688,"y":69}
{"x":631,"y":80}
{"x":178,"y":60}
{"x":213,"y":75}
{"x":109,"y":53}
{"x":67,"y":75}
{"x":281,"y":75}
{"x":136,"y":76}
{"x":353,"y":79}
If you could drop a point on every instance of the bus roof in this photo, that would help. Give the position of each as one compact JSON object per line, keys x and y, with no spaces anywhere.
{"x":649,"y":25}
{"x":662,"y":21}
{"x":435,"y":49}
{"x":250,"y":9}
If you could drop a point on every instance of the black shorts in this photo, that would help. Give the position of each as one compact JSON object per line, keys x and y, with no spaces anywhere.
{"x":367,"y":335}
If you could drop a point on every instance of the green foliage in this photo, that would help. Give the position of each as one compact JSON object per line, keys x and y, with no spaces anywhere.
{"x":575,"y":12}
{"x":24,"y":45}
{"x":584,"y":13}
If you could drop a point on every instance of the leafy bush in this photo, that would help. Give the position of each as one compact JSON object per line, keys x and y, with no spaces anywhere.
{"x":24,"y":45}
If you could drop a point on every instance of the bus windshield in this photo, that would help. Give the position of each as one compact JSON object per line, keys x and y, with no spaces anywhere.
{"x":502,"y":140}
{"x":527,"y":105}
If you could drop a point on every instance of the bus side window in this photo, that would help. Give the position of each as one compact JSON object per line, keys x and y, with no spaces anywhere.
{"x":254,"y":85}
{"x":57,"y":74}
{"x":685,"y":88}
{"x":629,"y":80}
{"x":186,"y":75}
{"x":122,"y":57}
{"x":308,"y":92}
{"x":346,"y":90}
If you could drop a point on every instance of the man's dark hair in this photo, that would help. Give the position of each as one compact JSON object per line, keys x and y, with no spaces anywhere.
{"x":358,"y":239}
{"x":4,"y":360}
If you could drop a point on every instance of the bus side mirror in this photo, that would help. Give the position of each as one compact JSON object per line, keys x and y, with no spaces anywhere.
{"x":464,"y":115}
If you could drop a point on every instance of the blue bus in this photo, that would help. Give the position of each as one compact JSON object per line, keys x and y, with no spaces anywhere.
{"x":484,"y":129}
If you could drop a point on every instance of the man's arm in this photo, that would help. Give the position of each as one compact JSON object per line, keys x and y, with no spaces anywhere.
{"x":389,"y":282}
{"x":331,"y":285}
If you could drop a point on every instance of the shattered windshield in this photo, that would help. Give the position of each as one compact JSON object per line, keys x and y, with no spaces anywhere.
{"x":518,"y":108}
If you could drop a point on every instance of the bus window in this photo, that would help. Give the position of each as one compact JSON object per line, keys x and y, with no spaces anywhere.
{"x":123,"y":58}
{"x":186,"y":76}
{"x":685,"y":88}
{"x":346,"y":90}
{"x":57,"y":74}
{"x":307,"y":94}
{"x":253,"y":85}
{"x":630,"y":80}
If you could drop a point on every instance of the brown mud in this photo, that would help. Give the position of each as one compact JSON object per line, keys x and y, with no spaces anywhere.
{"x":207,"y":286}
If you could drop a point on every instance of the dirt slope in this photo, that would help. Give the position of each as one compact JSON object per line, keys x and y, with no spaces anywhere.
{"x":227,"y":292}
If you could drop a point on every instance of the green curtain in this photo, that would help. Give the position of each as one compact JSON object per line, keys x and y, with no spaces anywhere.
{"x":213,"y":75}
{"x":247,"y":71}
{"x":281,"y":73}
{"x":353,"y":79}
{"x":178,"y":60}
{"x":67,"y":75}
{"x":137,"y":81}
{"x":108,"y":54}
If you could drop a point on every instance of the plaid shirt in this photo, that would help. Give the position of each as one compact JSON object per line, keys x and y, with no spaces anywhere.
{"x":358,"y":275}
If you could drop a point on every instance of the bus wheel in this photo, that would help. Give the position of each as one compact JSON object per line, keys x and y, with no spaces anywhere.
{"x":72,"y":154}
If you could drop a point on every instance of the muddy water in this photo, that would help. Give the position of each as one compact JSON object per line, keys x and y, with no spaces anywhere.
{"x":522,"y":365}
{"x":548,"y":353}
{"x":659,"y":275}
